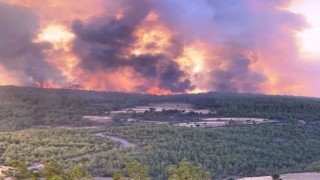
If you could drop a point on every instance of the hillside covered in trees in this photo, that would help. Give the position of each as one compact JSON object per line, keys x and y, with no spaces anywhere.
{"x":38,"y":125}
{"x":240,"y":151}
{"x":24,"y":107}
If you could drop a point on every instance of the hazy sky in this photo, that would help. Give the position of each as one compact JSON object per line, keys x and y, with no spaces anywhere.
{"x":162,"y":47}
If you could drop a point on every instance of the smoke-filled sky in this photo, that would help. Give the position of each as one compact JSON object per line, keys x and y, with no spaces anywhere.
{"x":162,"y":46}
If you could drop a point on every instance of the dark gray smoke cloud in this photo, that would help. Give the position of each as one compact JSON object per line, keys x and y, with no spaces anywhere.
{"x":238,"y":32}
{"x":224,"y":24}
{"x":103,"y":41}
{"x":235,"y":75}
{"x":18,"y":54}
{"x":238,"y":27}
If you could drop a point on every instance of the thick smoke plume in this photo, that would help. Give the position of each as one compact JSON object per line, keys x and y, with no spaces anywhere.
{"x":18,"y":53}
{"x":239,"y":31}
{"x":152,"y":46}
{"x":102,"y":43}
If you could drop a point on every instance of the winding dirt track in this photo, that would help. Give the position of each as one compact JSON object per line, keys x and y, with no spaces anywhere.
{"x":123,"y":142}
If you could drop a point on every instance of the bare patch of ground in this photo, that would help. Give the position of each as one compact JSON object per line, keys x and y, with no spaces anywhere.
{"x":99,"y":119}
{"x":164,"y":106}
{"x":218,"y":122}
{"x":35,"y":166}
{"x":300,"y":176}
{"x":238,"y":119}
{"x":184,"y":108}
{"x":202,"y":124}
{"x":257,"y":178}
{"x":102,"y":178}
{"x":291,"y":176}
{"x":3,"y":168}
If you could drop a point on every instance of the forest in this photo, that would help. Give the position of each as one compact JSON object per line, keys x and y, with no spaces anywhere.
{"x":231,"y":151}
{"x":41,"y":125}
{"x":25,"y":107}
{"x":53,"y":170}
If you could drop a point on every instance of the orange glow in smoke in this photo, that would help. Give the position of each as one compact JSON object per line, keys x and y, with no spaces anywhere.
{"x":152,"y":17}
{"x":120,"y":80}
{"x":48,"y":85}
{"x":159,"y":91}
{"x":152,"y":37}
{"x":197,"y":91}
{"x":62,"y":11}
{"x":7,"y":78}
{"x":193,"y":62}
{"x":119,"y":15}
{"x":58,"y":35}
{"x":60,"y":55}
{"x":193,"y":58}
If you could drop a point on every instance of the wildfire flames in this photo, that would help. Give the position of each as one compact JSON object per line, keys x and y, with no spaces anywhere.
{"x":147,"y":47}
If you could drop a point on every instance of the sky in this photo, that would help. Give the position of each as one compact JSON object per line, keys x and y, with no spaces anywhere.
{"x":162,"y":47}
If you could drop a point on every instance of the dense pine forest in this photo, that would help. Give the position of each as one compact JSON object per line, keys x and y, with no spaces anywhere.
{"x":24,"y":107}
{"x":233,"y":151}
{"x":41,"y":125}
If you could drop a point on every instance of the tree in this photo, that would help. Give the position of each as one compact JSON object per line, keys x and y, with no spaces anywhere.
{"x":137,"y":171}
{"x":79,"y":173}
{"x":53,"y":171}
{"x":152,"y":110}
{"x":20,"y":170}
{"x":185,"y":171}
{"x":275,"y":177}
{"x":118,"y":175}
